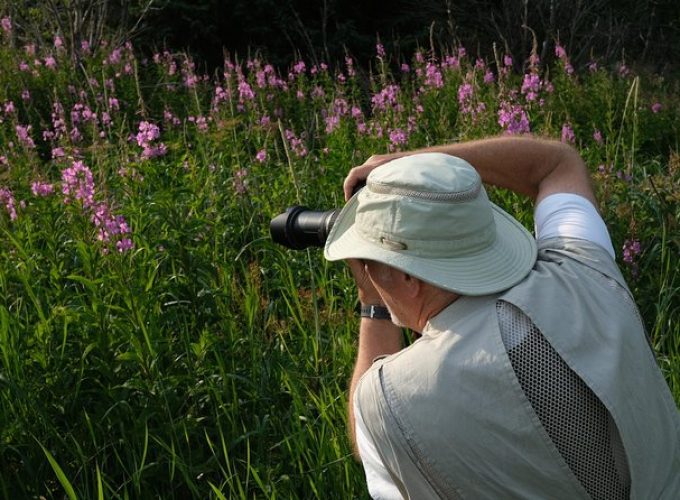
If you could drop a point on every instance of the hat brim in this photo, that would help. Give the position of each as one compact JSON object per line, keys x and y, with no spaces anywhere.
{"x":498,"y":267}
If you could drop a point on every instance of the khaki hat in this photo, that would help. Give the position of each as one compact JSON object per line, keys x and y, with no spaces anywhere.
{"x":429,"y":216}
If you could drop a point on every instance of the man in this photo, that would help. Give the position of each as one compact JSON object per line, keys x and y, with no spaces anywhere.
{"x":533,"y":377}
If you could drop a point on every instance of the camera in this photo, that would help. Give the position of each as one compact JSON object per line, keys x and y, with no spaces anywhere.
{"x":299,"y":227}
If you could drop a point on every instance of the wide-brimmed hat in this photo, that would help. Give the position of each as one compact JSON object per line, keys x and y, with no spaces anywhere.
{"x":428,"y":215}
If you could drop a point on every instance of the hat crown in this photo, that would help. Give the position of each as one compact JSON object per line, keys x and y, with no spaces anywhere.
{"x":429,"y":205}
{"x":434,"y":176}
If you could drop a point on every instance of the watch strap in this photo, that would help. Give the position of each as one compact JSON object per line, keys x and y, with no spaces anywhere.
{"x":374,"y":311}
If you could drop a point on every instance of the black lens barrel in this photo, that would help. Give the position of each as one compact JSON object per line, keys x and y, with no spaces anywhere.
{"x":299,"y":227}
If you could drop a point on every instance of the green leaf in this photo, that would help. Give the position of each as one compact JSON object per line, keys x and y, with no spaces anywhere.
{"x":60,"y":474}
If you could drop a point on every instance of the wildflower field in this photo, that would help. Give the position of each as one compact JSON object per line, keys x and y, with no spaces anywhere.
{"x":154,"y":343}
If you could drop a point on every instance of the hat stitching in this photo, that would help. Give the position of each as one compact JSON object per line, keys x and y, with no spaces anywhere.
{"x":456,"y":197}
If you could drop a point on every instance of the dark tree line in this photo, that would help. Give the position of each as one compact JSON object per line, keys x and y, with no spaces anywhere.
{"x":639,"y":31}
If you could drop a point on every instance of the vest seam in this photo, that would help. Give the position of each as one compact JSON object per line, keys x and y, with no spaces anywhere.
{"x":434,"y":479}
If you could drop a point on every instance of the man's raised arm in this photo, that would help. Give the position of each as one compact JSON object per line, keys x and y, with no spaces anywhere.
{"x":527,"y":165}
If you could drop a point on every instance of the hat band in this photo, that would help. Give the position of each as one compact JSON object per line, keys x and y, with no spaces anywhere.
{"x":453,"y":196}
{"x":454,"y":247}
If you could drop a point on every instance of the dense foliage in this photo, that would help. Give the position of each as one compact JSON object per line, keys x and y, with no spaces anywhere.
{"x":155,"y":344}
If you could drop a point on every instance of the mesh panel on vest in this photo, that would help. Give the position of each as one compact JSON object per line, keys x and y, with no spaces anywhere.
{"x":575,"y":419}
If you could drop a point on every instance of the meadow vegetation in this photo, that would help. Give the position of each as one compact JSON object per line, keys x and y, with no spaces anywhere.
{"x":154,"y":343}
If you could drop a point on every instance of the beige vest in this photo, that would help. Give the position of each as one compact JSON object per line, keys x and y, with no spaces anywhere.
{"x":450,"y":419}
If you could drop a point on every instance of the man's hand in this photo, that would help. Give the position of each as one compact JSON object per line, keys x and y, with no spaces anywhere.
{"x":367,"y":292}
{"x":358,"y":174}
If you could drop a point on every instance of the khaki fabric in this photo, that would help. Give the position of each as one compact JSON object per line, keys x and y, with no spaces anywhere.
{"x":450,"y":419}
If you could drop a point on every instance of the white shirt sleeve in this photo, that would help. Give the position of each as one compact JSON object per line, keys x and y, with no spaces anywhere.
{"x":572,"y":216}
{"x":378,"y":479}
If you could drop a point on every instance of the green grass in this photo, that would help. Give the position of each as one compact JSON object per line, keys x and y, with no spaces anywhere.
{"x":206,"y":361}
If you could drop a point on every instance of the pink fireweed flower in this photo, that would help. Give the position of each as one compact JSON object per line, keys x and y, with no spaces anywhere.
{"x":85,"y":47}
{"x":25,"y":95}
{"x":75,"y":134}
{"x":299,"y":67}
{"x":507,"y":60}
{"x":465,"y":92}
{"x":261,"y":79}
{"x":23,"y":66}
{"x":451,"y":62}
{"x":349,"y":64}
{"x":170,"y":118}
{"x":340,"y":106}
{"x":147,"y":133}
{"x":9,"y":107}
{"x":534,"y":60}
{"x":3,"y":161}
{"x":200,"y":121}
{"x":332,"y":122}
{"x":592,"y":66}
{"x":154,"y":151}
{"x":296,"y":144}
{"x":631,"y":249}
{"x":245,"y":91}
{"x":405,"y":68}
{"x":6,"y":23}
{"x":39,"y":188}
{"x":531,"y":86}
{"x":24,"y":136}
{"x":489,"y":77}
{"x":78,"y":183}
{"x":387,"y":97}
{"x":433,"y":77}
{"x":58,"y":42}
{"x":261,"y":156}
{"x":560,"y":53}
{"x":50,"y":62}
{"x":513,"y":119}
{"x":7,"y":198}
{"x":114,"y":57}
{"x":597,"y":136}
{"x":124,"y":245}
{"x":380,"y":50}
{"x":317,"y":92}
{"x":568,"y":133}
{"x":398,"y":137}
{"x":220,"y":96}
{"x":58,"y":153}
{"x":240,"y":181}
{"x":656,"y":107}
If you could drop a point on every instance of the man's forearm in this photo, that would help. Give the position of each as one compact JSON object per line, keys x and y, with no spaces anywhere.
{"x":376,"y":338}
{"x":526,"y":165}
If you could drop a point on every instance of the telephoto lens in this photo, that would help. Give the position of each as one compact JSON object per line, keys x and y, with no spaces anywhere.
{"x":299,"y":227}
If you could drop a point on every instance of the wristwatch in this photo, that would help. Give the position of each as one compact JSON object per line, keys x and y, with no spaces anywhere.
{"x":374,"y":311}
